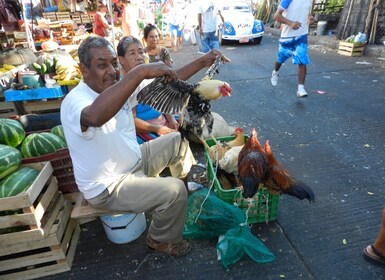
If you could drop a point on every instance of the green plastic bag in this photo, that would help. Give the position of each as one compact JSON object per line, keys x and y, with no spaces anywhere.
{"x":238,"y":241}
{"x":208,"y":217}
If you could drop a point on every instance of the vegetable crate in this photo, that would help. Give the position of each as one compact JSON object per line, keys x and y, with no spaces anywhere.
{"x":37,"y":235}
{"x":351,"y":49}
{"x":62,"y":169}
{"x":263,"y":207}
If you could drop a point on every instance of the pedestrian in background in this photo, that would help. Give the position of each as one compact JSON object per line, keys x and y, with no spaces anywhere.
{"x":175,"y":19}
{"x":208,"y":11}
{"x":130,"y":17}
{"x":101,"y":26}
{"x":294,"y":15}
{"x":376,"y":253}
{"x":155,"y":52}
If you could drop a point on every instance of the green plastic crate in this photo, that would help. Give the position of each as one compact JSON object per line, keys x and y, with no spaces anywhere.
{"x":263,"y":207}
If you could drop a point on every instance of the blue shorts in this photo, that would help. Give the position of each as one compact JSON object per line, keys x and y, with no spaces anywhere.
{"x":175,"y":30}
{"x":295,"y":47}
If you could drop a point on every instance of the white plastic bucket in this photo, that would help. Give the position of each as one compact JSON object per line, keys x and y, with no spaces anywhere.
{"x":321,"y":27}
{"x":123,"y":228}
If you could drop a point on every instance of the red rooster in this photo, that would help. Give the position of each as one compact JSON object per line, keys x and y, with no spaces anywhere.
{"x":252,"y":165}
{"x":279,"y":180}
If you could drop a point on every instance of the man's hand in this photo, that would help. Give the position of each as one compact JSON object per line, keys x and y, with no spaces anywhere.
{"x":212,"y":55}
{"x":295,"y":25}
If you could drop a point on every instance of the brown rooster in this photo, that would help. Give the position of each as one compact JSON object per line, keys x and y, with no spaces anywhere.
{"x":279,"y":180}
{"x":252,"y":165}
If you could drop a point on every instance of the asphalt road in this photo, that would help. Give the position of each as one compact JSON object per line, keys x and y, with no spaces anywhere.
{"x":333,"y":140}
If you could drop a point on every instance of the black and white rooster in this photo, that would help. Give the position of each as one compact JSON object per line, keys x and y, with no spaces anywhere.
{"x":191,"y":101}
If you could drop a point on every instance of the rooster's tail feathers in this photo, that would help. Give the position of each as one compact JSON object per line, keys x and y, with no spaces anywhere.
{"x":301,"y":191}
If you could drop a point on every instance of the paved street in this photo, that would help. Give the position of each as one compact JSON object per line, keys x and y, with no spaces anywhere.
{"x":333,"y":140}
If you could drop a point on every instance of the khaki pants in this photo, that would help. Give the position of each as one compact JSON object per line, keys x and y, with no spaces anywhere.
{"x":164,"y":197}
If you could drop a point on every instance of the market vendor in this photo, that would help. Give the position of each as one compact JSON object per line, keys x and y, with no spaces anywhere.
{"x":111,"y":170}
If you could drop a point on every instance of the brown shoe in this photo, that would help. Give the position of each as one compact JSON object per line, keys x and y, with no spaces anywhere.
{"x":176,"y":250}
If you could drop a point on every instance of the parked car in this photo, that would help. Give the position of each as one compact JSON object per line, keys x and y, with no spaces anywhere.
{"x":240,"y":24}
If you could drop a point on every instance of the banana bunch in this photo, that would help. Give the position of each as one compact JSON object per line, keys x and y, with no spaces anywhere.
{"x":67,"y":71}
{"x":6,"y":68}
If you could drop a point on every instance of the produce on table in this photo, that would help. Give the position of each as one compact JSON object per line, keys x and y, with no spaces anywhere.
{"x":18,"y":181}
{"x":12,"y":132}
{"x":48,"y":66}
{"x":67,"y":70}
{"x":10,"y":160}
{"x":43,"y":143}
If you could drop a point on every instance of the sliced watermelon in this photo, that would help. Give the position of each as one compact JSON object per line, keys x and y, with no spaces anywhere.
{"x":12,"y":132}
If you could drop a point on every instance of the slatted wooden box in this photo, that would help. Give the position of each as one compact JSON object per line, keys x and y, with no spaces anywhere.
{"x":351,"y":49}
{"x":31,"y":214}
{"x":42,"y":257}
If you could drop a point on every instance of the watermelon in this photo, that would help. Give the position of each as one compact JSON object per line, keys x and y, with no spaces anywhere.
{"x":58,"y":130}
{"x":18,"y":181}
{"x":10,"y":159}
{"x":43,"y":143}
{"x":12,"y":132}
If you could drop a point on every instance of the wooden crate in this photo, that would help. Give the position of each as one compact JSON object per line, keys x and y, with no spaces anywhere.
{"x":351,"y":49}
{"x":28,"y":197}
{"x":53,"y":238}
{"x":40,"y":258}
{"x":63,"y":16}
{"x":85,"y":18}
{"x":77,"y":19}
{"x":42,"y":106}
{"x":50,"y":16}
{"x":31,"y":214}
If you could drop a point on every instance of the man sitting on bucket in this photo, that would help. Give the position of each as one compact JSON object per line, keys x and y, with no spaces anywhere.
{"x":111,"y":169}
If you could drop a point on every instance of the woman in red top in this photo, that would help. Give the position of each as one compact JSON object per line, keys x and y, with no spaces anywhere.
{"x":101,"y":26}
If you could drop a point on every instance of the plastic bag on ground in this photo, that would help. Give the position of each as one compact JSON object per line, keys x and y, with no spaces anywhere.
{"x":238,"y":241}
{"x":210,"y":217}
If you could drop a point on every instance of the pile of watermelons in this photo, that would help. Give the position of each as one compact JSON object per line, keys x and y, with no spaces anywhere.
{"x":16,"y":145}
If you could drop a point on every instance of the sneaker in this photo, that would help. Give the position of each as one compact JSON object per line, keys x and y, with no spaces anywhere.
{"x":301,"y":92}
{"x":274,"y":78}
{"x":179,"y":249}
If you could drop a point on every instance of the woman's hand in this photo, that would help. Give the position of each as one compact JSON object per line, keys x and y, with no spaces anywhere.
{"x":172,"y":122}
{"x":163,"y":130}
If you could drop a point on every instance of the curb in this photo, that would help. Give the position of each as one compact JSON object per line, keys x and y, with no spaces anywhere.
{"x":331,"y":43}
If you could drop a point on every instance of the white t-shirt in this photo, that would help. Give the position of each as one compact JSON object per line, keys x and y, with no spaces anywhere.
{"x":99,"y":155}
{"x":296,"y":10}
{"x":209,"y":11}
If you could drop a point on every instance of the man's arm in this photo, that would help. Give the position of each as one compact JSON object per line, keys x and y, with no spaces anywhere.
{"x":111,"y":100}
{"x":280,"y":18}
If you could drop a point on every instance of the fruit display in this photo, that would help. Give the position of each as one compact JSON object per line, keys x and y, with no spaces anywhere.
{"x":6,"y":68}
{"x":10,"y":160}
{"x":48,"y":66}
{"x":67,"y":70}
{"x":58,"y":130}
{"x":18,"y":181}
{"x":43,"y":143}
{"x":11,"y":132}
